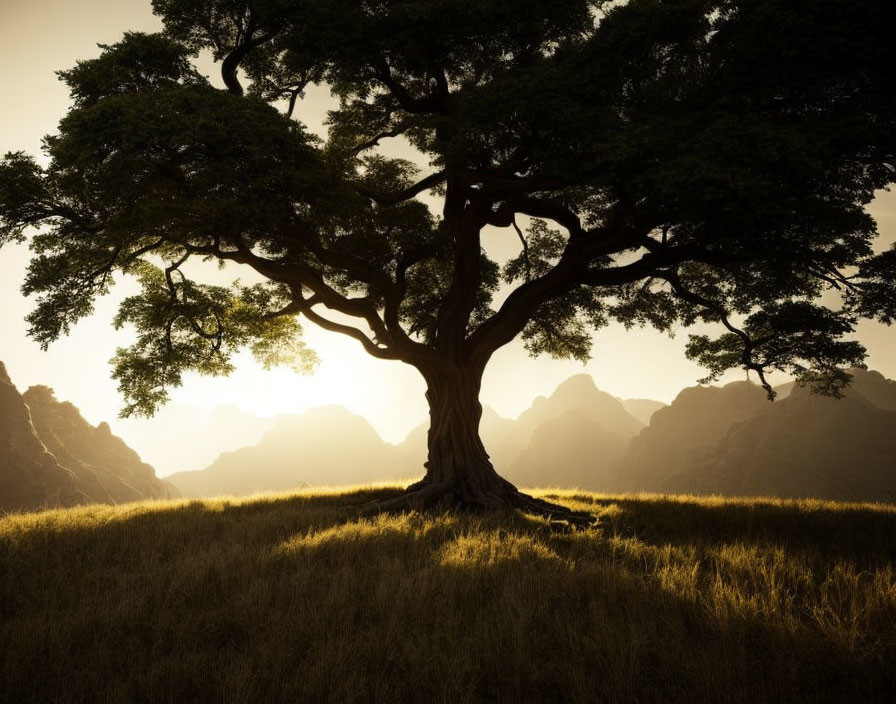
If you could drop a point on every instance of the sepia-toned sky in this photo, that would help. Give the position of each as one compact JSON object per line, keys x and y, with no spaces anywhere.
{"x":38,"y":37}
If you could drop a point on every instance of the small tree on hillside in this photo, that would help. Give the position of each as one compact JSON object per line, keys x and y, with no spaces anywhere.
{"x":662,"y":162}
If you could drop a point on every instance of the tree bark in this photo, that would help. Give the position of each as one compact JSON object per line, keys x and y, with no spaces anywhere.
{"x":459,"y":473}
{"x":457,"y":461}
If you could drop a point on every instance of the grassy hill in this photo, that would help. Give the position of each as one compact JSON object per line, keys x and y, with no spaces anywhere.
{"x":293,"y":598}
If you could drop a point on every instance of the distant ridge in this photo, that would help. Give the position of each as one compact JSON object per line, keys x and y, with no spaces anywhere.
{"x":642,"y":408}
{"x":708,"y":440}
{"x":324,"y":446}
{"x":807,"y":446}
{"x":579,"y":392}
{"x":732,"y":441}
{"x":697,"y":418}
{"x":330,"y":446}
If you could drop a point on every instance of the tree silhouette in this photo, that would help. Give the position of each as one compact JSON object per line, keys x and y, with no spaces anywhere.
{"x":661,"y":162}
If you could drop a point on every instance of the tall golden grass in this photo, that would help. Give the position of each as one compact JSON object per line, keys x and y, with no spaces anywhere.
{"x":294,"y":598}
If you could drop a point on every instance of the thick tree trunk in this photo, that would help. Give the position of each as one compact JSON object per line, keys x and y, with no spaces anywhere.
{"x":457,"y":461}
{"x":459,"y":473}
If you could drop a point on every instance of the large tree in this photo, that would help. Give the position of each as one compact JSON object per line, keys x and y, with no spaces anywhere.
{"x":662,"y":162}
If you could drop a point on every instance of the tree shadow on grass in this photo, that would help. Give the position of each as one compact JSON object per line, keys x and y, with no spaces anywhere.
{"x":295,"y":599}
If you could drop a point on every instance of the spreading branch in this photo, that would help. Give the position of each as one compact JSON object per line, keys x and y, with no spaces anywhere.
{"x":525,"y":245}
{"x":388,"y":199}
{"x":749,"y":344}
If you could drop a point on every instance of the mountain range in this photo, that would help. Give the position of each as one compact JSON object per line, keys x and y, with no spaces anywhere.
{"x":805,"y":445}
{"x":710,"y":440}
{"x":331,"y":446}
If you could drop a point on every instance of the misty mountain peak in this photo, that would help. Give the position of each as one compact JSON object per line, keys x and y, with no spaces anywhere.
{"x":874,"y":386}
{"x":325,"y":420}
{"x":577,"y":385}
{"x":489,"y":414}
{"x":870,"y":384}
{"x":580,"y":392}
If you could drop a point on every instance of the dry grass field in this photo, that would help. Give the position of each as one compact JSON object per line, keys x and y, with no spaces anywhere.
{"x":294,"y":598}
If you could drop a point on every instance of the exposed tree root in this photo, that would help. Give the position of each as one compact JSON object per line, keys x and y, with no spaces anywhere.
{"x":577,"y":520}
{"x":426,"y":497}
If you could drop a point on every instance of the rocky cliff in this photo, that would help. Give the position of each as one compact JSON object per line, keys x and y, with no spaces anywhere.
{"x":30,"y":476}
{"x":50,"y":456}
{"x":107,"y":469}
{"x":697,"y":419}
{"x":806,"y":446}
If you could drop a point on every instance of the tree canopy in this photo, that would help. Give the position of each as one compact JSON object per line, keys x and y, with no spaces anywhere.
{"x":663,"y":162}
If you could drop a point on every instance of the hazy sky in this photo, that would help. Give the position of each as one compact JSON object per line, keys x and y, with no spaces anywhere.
{"x":38,"y":37}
